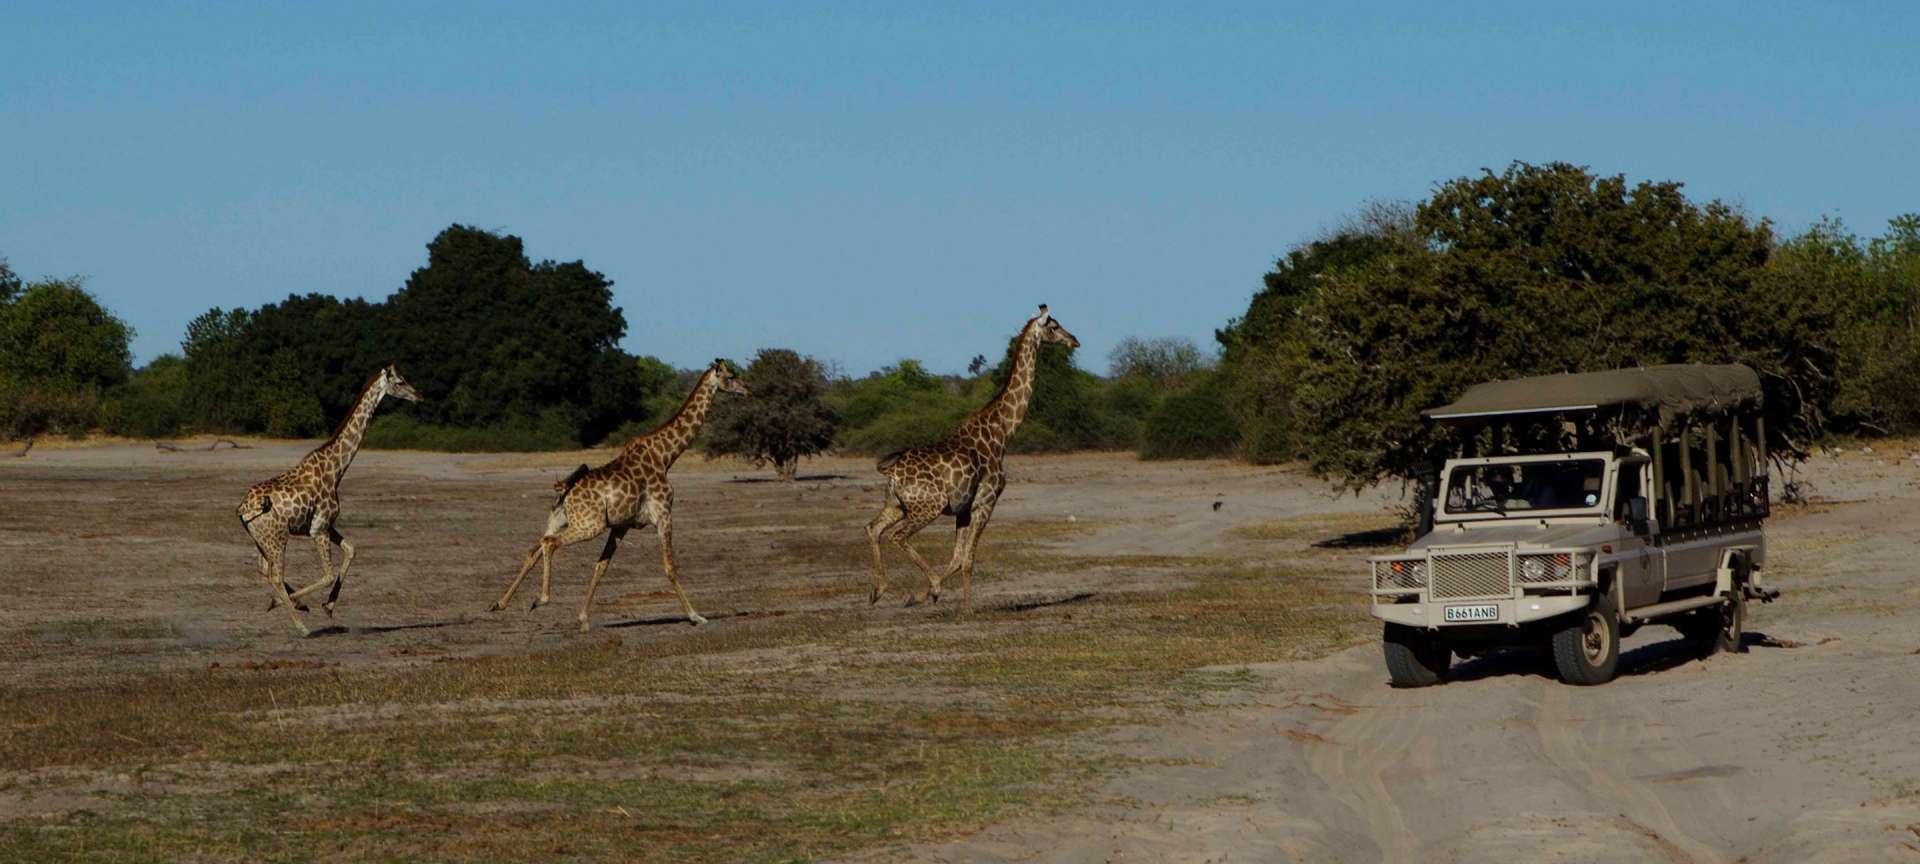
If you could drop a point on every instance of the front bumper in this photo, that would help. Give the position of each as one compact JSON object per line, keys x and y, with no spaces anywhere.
{"x":1500,"y":584}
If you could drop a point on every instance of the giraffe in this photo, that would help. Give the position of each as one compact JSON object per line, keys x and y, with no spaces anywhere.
{"x":305,"y":500}
{"x":961,"y":476}
{"x":628,"y":492}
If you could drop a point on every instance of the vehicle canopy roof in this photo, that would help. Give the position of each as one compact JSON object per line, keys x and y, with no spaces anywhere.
{"x":1660,"y":396}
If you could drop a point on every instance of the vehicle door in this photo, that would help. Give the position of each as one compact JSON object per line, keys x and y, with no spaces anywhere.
{"x":1642,"y":570}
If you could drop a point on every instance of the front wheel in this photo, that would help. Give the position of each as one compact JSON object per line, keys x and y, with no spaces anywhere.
{"x":1414,"y":659}
{"x":1587,"y":650}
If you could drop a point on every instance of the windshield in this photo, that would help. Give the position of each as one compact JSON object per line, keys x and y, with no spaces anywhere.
{"x":1570,"y":484}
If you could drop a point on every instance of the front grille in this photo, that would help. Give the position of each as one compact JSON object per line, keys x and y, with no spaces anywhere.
{"x":1478,"y":574}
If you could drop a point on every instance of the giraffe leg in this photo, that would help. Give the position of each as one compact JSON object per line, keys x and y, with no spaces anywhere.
{"x":919,"y":515}
{"x":568,"y":536}
{"x":340,"y":576}
{"x":532,"y":554}
{"x":276,"y":554}
{"x":663,"y":522}
{"x":982,"y":511}
{"x":599,"y":570}
{"x":890,"y":515}
{"x":322,"y":549}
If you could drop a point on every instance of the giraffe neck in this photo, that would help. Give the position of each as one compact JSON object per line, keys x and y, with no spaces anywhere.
{"x":672,"y":439}
{"x":1002,"y":415}
{"x":346,"y":440}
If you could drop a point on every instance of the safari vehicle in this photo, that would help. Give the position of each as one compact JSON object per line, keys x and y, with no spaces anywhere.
{"x":1578,"y":508}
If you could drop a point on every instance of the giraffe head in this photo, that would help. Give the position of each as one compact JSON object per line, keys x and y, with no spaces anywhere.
{"x":397,"y":386}
{"x":727,"y":380}
{"x":1049,"y":329}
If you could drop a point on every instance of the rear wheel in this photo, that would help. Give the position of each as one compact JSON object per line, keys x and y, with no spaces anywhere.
{"x":1587,"y":650}
{"x":1723,"y":627}
{"x":1415,"y":659}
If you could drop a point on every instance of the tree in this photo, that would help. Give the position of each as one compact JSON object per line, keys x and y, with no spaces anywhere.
{"x":1165,"y":360}
{"x":1535,"y":270}
{"x":60,"y":350}
{"x":785,"y":419}
{"x":9,"y":283}
{"x":57,"y":335}
{"x":494,"y":338}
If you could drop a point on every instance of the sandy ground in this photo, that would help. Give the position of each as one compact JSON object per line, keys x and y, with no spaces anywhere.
{"x":1802,"y":749}
{"x":121,"y":561}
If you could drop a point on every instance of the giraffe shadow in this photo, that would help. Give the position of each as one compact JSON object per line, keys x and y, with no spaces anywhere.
{"x":663,"y":620}
{"x":803,"y":478}
{"x":1044,"y":602}
{"x":375,"y":630}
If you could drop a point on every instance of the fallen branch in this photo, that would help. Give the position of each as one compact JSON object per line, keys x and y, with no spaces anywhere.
{"x":171,"y":447}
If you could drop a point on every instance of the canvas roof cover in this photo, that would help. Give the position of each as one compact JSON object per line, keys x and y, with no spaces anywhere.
{"x":1662,"y":394}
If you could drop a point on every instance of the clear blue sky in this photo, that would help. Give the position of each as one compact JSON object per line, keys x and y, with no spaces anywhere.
{"x":866,"y":183}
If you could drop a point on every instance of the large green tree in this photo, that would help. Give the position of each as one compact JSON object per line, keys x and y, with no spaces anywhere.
{"x":1538,"y":269}
{"x":56,"y":334}
{"x":492,"y":337}
{"x":786,"y":418}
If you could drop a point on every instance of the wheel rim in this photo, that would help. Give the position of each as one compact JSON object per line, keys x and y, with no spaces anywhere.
{"x":1594,"y":638}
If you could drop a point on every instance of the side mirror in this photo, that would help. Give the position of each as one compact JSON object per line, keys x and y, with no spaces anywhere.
{"x":1637,"y":513}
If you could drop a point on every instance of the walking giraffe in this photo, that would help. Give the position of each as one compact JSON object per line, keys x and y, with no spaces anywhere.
{"x":961,"y":476}
{"x":305,"y":500}
{"x":627,"y":493}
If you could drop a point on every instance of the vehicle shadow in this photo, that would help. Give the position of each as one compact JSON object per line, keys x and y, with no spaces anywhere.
{"x":1644,"y":660}
{"x":1371,"y":539}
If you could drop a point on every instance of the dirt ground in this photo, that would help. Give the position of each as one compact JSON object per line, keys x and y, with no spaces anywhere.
{"x":124,"y":564}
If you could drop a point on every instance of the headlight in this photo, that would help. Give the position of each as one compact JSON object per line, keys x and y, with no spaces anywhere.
{"x":1533,"y":570}
{"x":1408,"y":574}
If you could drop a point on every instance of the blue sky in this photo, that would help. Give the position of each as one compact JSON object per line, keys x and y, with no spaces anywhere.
{"x":871,"y":182}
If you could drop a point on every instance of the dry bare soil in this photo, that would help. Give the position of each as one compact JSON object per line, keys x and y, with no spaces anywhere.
{"x":1146,"y":677}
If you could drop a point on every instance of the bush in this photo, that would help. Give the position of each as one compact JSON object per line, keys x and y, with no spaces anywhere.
{"x":152,"y":404}
{"x":29,"y":410}
{"x":1192,"y":423}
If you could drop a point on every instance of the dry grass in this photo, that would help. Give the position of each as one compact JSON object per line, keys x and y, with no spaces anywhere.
{"x":802,"y":736}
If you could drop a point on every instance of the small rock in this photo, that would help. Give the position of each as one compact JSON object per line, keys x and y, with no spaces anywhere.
{"x":1071,"y":519}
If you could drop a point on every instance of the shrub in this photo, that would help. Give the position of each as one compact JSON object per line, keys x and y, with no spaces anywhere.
{"x":1192,"y":423}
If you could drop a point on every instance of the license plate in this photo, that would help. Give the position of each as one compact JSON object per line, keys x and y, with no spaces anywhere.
{"x":1482,"y":612}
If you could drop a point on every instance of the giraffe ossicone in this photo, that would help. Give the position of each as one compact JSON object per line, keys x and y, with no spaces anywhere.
{"x":962,"y":476}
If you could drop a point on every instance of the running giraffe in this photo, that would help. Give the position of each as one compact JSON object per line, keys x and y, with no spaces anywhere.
{"x":627,"y":493}
{"x":305,"y":500}
{"x":961,"y":476}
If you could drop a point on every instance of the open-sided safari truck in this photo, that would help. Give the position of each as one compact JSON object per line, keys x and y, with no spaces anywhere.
{"x":1577,"y":508}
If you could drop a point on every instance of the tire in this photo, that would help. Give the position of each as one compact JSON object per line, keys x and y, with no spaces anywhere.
{"x":1723,"y":627}
{"x":1587,"y":650}
{"x":1414,"y":659}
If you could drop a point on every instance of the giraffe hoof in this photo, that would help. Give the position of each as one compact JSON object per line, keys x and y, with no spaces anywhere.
{"x":696,"y":619}
{"x":328,"y":608}
{"x":874,"y":595}
{"x":584,"y":626}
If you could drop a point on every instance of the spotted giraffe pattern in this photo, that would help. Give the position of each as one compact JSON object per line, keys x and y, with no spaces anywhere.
{"x":962,"y":476}
{"x":304,"y":501}
{"x":629,"y":492}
